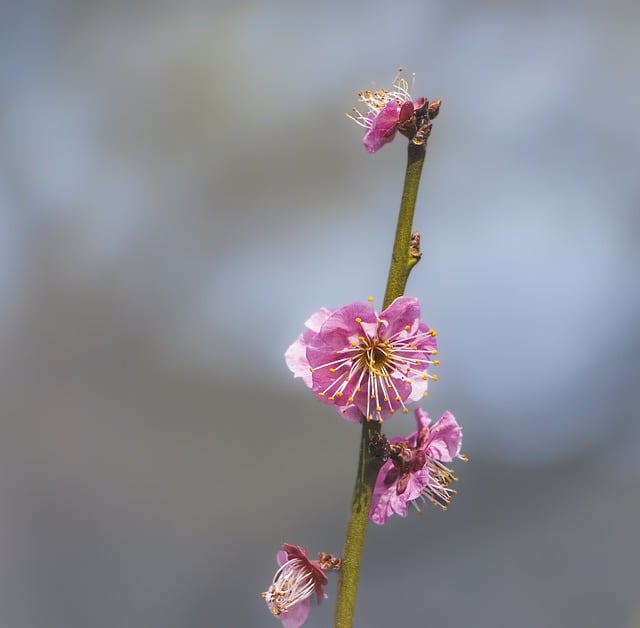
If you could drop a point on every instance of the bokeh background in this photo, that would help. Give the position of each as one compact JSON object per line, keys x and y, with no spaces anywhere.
{"x":180,"y":189}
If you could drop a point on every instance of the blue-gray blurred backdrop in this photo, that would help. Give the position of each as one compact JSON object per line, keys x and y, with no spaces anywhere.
{"x":180,"y":189}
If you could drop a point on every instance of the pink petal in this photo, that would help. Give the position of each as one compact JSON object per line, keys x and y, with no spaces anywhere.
{"x":418,"y":388}
{"x":422,"y":419}
{"x":406,"y":111}
{"x":385,"y":499}
{"x":417,"y":481}
{"x":402,"y":312}
{"x":314,"y":322}
{"x":351,"y":413}
{"x":445,"y":439}
{"x":296,"y":615}
{"x":399,"y":503}
{"x":296,"y":358}
{"x":383,"y":128}
{"x":282,"y":557}
{"x":402,"y":483}
{"x":296,"y":355}
{"x":341,"y":329}
{"x":381,"y":508}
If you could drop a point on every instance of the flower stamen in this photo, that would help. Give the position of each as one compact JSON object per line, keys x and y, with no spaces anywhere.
{"x":292,"y":584}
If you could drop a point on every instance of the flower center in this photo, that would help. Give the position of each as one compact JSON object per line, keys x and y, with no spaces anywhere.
{"x":376,"y":356}
{"x":379,"y":374}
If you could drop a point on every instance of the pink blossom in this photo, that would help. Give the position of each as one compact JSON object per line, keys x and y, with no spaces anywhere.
{"x":415,"y":468}
{"x":367,"y":365}
{"x":297,"y":579}
{"x":388,"y":111}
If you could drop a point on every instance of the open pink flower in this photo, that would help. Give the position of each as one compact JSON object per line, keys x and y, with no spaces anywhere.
{"x":297,"y":579}
{"x":415,"y":468}
{"x":388,"y":111}
{"x":367,"y":365}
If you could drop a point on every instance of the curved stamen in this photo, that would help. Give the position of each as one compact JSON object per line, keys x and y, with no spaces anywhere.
{"x":292,"y":584}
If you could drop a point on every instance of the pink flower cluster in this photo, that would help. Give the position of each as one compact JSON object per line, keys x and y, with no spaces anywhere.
{"x":366,"y":364}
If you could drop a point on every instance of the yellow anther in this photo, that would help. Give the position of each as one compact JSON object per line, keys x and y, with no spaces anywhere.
{"x":332,"y":370}
{"x":311,"y":369}
{"x":339,"y":394}
{"x":425,"y":376}
{"x":350,"y":400}
{"x":407,"y":327}
{"x":434,"y":378}
{"x":405,"y":410}
{"x":370,"y":299}
{"x":434,"y":352}
{"x":353,"y":344}
{"x":432,"y":332}
{"x":397,"y":398}
{"x":436,"y":362}
{"x":320,"y":394}
{"x":425,"y":394}
{"x":378,"y":409}
{"x":358,"y":319}
{"x":463,"y":458}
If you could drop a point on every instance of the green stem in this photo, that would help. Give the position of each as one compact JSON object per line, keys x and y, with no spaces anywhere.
{"x":356,"y":529}
{"x":401,"y":264}
{"x":401,"y":260}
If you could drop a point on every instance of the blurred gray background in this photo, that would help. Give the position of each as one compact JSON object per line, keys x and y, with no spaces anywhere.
{"x":180,"y":189}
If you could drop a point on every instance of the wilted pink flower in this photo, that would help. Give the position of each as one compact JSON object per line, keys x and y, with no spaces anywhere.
{"x":415,"y":468}
{"x":297,"y":579}
{"x":366,"y":364}
{"x":388,"y":111}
